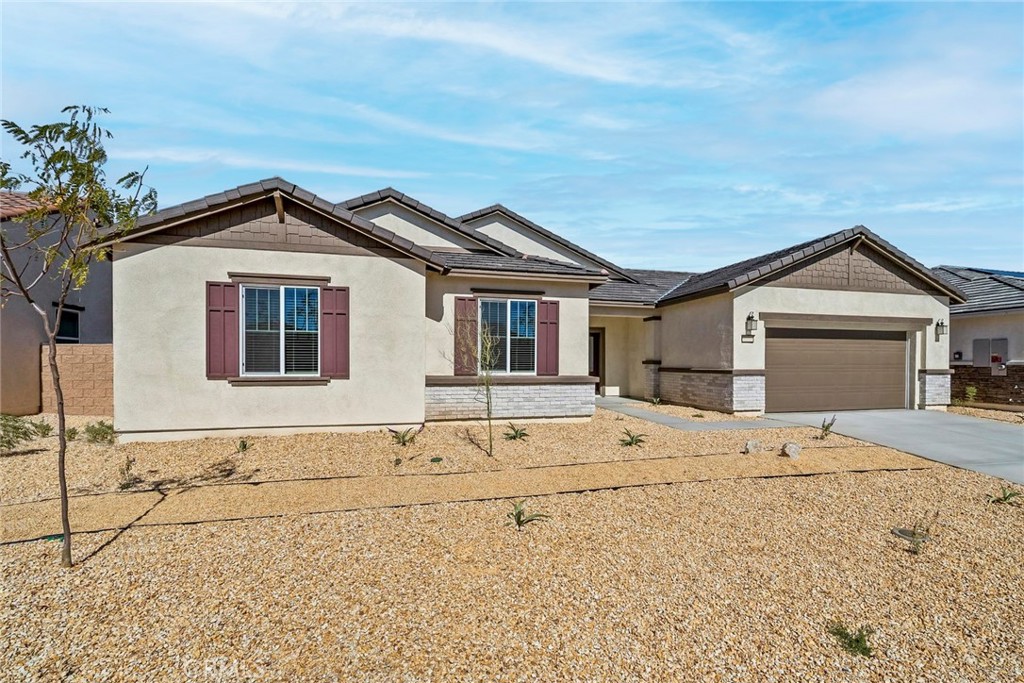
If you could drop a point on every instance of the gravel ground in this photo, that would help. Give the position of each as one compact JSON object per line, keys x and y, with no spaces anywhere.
{"x":690,"y":413}
{"x":717,"y":581}
{"x":93,"y":468}
{"x":999,"y":415}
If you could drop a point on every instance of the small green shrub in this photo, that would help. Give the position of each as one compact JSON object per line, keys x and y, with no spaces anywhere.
{"x":436,"y":458}
{"x":697,"y":415}
{"x":970,"y":393}
{"x":826,"y":428}
{"x":1006,"y":496}
{"x":242,"y":447}
{"x":655,"y":401}
{"x":71,"y":433}
{"x":14,"y":431}
{"x":42,"y":429}
{"x":515,"y":433}
{"x":100,"y":432}
{"x":125,"y":472}
{"x":404,"y":437}
{"x":854,"y":643}
{"x":520,"y":518}
{"x":631,"y":439}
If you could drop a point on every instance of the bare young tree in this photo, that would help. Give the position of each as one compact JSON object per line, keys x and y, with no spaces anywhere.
{"x":480,"y":348}
{"x":73,"y":206}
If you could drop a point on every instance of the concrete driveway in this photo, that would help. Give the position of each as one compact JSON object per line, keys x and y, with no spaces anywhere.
{"x":987,"y":446}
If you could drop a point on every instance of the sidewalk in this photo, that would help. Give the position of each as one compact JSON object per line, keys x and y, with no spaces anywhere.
{"x":635,"y":408}
{"x":222,"y":502}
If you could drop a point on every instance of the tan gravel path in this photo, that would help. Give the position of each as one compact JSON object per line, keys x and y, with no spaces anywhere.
{"x":277,"y":498}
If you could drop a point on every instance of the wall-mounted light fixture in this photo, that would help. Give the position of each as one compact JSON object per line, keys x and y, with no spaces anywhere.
{"x":941,"y":328}
{"x":750,"y":327}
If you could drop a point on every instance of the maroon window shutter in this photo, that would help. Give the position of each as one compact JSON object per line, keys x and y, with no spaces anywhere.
{"x":465,"y":335}
{"x":334,"y":324}
{"x":547,"y":337}
{"x":221,"y":330}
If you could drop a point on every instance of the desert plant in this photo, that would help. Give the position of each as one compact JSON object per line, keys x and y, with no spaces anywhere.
{"x":970,"y":393}
{"x":242,"y":447}
{"x":1006,"y":495}
{"x":697,"y":415}
{"x":520,"y":518}
{"x":631,"y":439}
{"x":854,"y":643}
{"x":99,"y":432}
{"x":14,"y":431}
{"x":42,"y":429}
{"x":404,"y":437}
{"x":655,"y":401}
{"x":515,"y":433}
{"x":125,"y":471}
{"x":826,"y":428}
{"x":71,"y":433}
{"x":436,"y":458}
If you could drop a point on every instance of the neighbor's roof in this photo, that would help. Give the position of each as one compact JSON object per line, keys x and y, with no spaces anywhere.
{"x":558,"y":239}
{"x":390,"y":193}
{"x":648,"y":286}
{"x":986,"y":290}
{"x":746,"y":272}
{"x":14,"y":204}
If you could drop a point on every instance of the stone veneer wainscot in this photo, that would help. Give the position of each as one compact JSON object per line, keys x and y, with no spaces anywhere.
{"x":514,"y":396}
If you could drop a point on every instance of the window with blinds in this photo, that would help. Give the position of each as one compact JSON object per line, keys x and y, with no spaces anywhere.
{"x":508,"y":335}
{"x":281,"y":330}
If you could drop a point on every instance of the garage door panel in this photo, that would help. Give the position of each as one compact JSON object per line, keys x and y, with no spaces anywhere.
{"x":834,"y":370}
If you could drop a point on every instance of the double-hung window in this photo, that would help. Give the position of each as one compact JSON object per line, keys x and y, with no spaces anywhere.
{"x":508,"y":335}
{"x":280,"y":330}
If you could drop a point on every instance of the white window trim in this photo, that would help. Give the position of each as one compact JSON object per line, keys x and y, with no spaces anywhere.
{"x":508,"y":336}
{"x":241,"y":332}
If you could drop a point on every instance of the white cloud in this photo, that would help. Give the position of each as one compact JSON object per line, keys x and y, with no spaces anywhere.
{"x":184,"y":155}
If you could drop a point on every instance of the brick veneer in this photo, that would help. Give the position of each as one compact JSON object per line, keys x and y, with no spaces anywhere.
{"x":652,"y":380}
{"x":466,"y":402}
{"x":991,"y":389}
{"x":934,"y":389}
{"x":722,"y":391}
{"x":86,"y":376}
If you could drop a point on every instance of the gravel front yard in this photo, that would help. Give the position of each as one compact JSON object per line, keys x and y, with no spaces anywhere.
{"x":726,"y":581}
{"x":985,"y":413}
{"x":93,"y":468}
{"x":694,"y":414}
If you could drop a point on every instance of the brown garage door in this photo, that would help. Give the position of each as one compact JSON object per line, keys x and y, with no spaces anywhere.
{"x":834,"y":369}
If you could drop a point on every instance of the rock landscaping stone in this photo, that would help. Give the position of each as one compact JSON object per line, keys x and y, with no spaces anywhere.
{"x":791,"y":450}
{"x":752,"y":446}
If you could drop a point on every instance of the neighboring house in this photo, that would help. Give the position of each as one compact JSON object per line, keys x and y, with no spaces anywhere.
{"x":986,"y":337}
{"x":268,"y":309}
{"x":86,"y":319}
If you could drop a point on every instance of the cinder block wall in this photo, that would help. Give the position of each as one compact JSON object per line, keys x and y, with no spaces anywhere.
{"x":86,"y":376}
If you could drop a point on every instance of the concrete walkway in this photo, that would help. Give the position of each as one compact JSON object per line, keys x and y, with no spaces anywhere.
{"x":635,"y":408}
{"x":971,"y":443}
{"x":234,"y":501}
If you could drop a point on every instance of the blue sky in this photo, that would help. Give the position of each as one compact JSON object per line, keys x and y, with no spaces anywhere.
{"x":681,"y":136}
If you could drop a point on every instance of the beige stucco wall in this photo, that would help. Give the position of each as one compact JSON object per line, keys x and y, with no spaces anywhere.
{"x":697,"y":334}
{"x":964,"y":329}
{"x":160,"y":356}
{"x":441,"y":291}
{"x":625,"y":343}
{"x":415,"y":227}
{"x":21,"y":331}
{"x":527,"y":241}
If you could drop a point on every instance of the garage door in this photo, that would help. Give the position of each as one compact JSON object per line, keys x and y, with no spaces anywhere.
{"x":809,"y":370}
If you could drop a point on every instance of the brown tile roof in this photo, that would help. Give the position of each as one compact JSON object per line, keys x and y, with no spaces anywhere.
{"x":558,"y":239}
{"x":14,"y":204}
{"x":646,"y":287}
{"x":986,"y":290}
{"x":522,"y":265}
{"x":745,"y":272}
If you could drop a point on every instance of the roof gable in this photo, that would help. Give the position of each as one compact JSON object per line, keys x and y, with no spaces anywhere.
{"x":760,"y":269}
{"x":478,"y":220}
{"x":166,"y":220}
{"x":389,"y":194}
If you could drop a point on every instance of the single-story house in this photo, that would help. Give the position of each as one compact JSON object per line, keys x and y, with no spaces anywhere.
{"x":86,"y":320}
{"x":986,"y":337}
{"x":267,"y":309}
